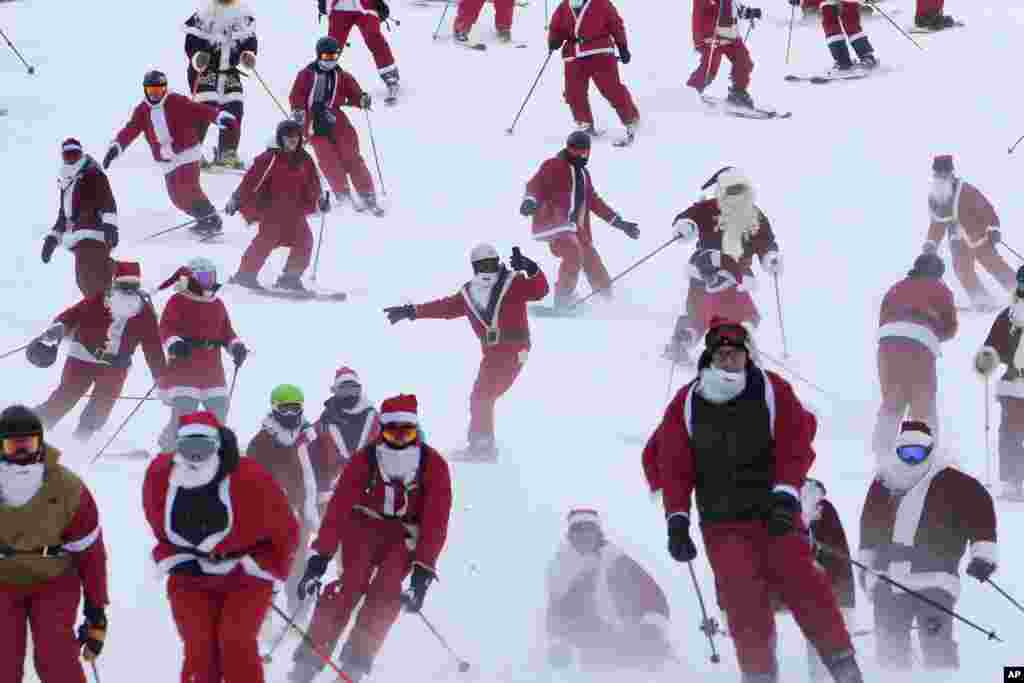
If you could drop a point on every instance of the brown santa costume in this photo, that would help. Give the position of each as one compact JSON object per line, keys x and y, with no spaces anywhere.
{"x":960,"y":211}
{"x":103,"y":332}
{"x":919,"y":517}
{"x":603,"y":604}
{"x":87,"y":219}
{"x":224,"y":533}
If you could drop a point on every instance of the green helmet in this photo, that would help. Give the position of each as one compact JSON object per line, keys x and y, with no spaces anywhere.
{"x":286,"y":393}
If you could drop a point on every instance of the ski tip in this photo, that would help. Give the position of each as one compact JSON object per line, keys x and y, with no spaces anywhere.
{"x":509,"y":131}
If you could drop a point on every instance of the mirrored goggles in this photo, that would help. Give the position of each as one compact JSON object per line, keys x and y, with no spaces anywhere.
{"x":329,"y":56}
{"x":155,"y":92}
{"x":399,"y":435}
{"x":197,"y":448}
{"x":206,"y":280}
{"x":487,"y":265}
{"x":21,"y":448}
{"x":288,"y":408}
{"x":913,"y":454}
{"x":71,"y":156}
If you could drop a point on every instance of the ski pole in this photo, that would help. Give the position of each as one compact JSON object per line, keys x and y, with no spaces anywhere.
{"x":1005,"y":595}
{"x":319,"y":242}
{"x":626,"y":271}
{"x":269,"y":657}
{"x":511,"y":129}
{"x":179,"y":226}
{"x":312,"y":646}
{"x":113,"y":436}
{"x":1014,"y":146}
{"x":14,"y":351}
{"x":124,"y":398}
{"x":778,"y":307}
{"x":462,"y":663}
{"x":440,"y":21}
{"x":789,"y":40}
{"x":231,"y":392}
{"x":546,"y":15}
{"x":794,"y":373}
{"x":714,"y":44}
{"x":269,"y":91}
{"x":1011,"y":250}
{"x":708,"y":626}
{"x":874,"y":5}
{"x":988,"y":441}
{"x":376,"y":158}
{"x":31,"y":69}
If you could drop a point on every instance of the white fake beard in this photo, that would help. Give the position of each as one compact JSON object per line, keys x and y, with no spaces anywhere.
{"x":721,"y":386}
{"x":942,"y":190}
{"x":399,"y":463}
{"x":124,"y":305}
{"x":480,"y":288}
{"x":738,"y":219}
{"x":810,"y":504}
{"x":190,"y":475}
{"x":68,"y":172}
{"x":899,"y":476}
{"x":19,"y":483}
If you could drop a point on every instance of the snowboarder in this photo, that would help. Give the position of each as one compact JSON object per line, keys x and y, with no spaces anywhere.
{"x":278,"y":191}
{"x":917,"y":315}
{"x":469,"y":12}
{"x":51,"y":553}
{"x":219,"y":38}
{"x":320,"y":91}
{"x":716,"y":34}
{"x":730,"y":229}
{"x":929,"y":15}
{"x":560,"y":198}
{"x":919,"y":516}
{"x":840,"y":20}
{"x":87,"y":219}
{"x":368,"y":15}
{"x":224,"y":533}
{"x":494,"y":301}
{"x":194,"y":327}
{"x":738,"y":437}
{"x":103,"y":330}
{"x":959,"y":210}
{"x":348,"y":423}
{"x":588,"y":33}
{"x":602,"y":605}
{"x":389,"y":513}
{"x":171,"y":124}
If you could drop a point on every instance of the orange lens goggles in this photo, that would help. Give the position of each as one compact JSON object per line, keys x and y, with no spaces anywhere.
{"x":156,"y":91}
{"x":329,"y":56}
{"x":399,"y":435}
{"x":12,"y":445}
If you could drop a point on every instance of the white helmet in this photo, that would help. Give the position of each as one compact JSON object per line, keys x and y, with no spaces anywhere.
{"x":201,"y":264}
{"x":482,"y":252}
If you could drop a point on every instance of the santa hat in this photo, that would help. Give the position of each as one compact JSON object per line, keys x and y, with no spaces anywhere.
{"x":914,"y":433}
{"x":202,"y":423}
{"x":583,"y":516}
{"x":70,"y":145}
{"x":714,"y":179}
{"x":346,"y":374}
{"x":179,"y":280}
{"x":399,"y":409}
{"x":943,"y":163}
{"x":127,"y":272}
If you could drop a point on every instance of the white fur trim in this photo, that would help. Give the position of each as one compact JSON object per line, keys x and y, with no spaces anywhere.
{"x":985,"y":550}
{"x":197,"y":429}
{"x":195,"y":393}
{"x":73,"y":237}
{"x":915,"y":331}
{"x":657,"y":498}
{"x":678,"y":514}
{"x":914,"y":438}
{"x":86,"y":542}
{"x":554,"y":232}
{"x":399,"y":418}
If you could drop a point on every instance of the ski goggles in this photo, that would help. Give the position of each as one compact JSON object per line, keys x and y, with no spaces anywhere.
{"x":21,"y":448}
{"x":130,"y":287}
{"x":399,"y":435}
{"x":487,"y":265}
{"x":347,"y":390}
{"x":329,"y":56}
{"x":197,"y":448}
{"x":155,"y":92}
{"x":71,"y":156}
{"x":726,"y":335}
{"x":288,"y":408}
{"x":913,"y":454}
{"x":206,"y":280}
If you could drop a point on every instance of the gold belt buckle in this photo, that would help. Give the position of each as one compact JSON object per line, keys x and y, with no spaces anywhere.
{"x":492,"y":336}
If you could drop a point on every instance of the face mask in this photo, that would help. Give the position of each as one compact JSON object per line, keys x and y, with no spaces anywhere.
{"x":327,"y":65}
{"x":124,"y":304}
{"x":69,"y":171}
{"x":901,"y":476}
{"x":719,"y":386}
{"x":585,"y":540}
{"x":19,"y":483}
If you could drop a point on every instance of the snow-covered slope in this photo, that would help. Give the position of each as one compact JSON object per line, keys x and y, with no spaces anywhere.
{"x":844,"y":182}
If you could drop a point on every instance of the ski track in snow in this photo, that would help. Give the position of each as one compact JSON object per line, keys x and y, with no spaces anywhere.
{"x":844,"y":183}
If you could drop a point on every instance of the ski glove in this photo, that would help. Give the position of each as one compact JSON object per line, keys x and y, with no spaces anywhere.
{"x":772,"y":263}
{"x":231,"y":208}
{"x":201,"y":60}
{"x":53,"y":334}
{"x":555,"y":44}
{"x":383,"y":11}
{"x":630,"y":229}
{"x":111,"y":154}
{"x":995,"y":236}
{"x":981,"y":569}
{"x":412,"y":599}
{"x":110,"y":234}
{"x":680,"y":545}
{"x":624,"y":55}
{"x":92,"y":632}
{"x":528,"y":207}
{"x":986,"y":361}
{"x":397,"y":313}
{"x":309,"y":584}
{"x":365,"y":101}
{"x":684,"y":228}
{"x":225,"y":120}
{"x":324,"y":203}
{"x":49,"y":244}
{"x":238,"y":353}
{"x":520,"y":262}
{"x":180,"y":349}
{"x":782,"y":513}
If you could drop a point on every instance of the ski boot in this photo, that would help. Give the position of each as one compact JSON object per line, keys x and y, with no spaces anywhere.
{"x":739,"y":97}
{"x":841,"y":55}
{"x":370,"y":204}
{"x":505,"y":37}
{"x":208,"y":222}
{"x":247,"y":280}
{"x":291,"y":282}
{"x":865,"y":53}
{"x":934,"y":21}
{"x":587,"y":128}
{"x":565,"y":303}
{"x":461,"y":37}
{"x":391,"y":81}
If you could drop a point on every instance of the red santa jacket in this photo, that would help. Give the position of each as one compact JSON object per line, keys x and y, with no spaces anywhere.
{"x":553,"y":187}
{"x":709,"y":14}
{"x":1004,"y":338}
{"x":261,"y":534}
{"x":967,"y":215}
{"x":339,"y":434}
{"x":336,"y":89}
{"x":588,"y":31}
{"x":171,"y":128}
{"x":279,"y":185}
{"x":827,"y":529}
{"x":96,"y":337}
{"x":501,"y":324}
{"x":704,"y":216}
{"x":205,"y":323}
{"x":920,"y":309}
{"x":422,"y":506}
{"x":86,"y":204}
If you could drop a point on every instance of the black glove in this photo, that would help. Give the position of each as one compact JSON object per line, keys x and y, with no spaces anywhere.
{"x":680,"y":545}
{"x":383,"y":11}
{"x":324,"y":203}
{"x":92,"y":632}
{"x":397,"y":313}
{"x":49,"y":244}
{"x":109,"y":157}
{"x":624,"y":55}
{"x":412,"y":599}
{"x":520,"y":262}
{"x":794,"y":3}
{"x":630,"y":229}
{"x":782,"y":513}
{"x":111,"y":235}
{"x":180,"y":349}
{"x":980,"y":569}
{"x":309,"y":584}
{"x":238,"y":353}
{"x":321,"y":6}
{"x":365,"y":101}
{"x":528,"y":207}
{"x":995,"y":235}
{"x":555,"y":44}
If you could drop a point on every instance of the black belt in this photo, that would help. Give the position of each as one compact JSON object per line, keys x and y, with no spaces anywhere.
{"x":42,"y":551}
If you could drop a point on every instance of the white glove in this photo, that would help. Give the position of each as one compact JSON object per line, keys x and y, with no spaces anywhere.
{"x":225,"y":119}
{"x":684,"y":229}
{"x":986,"y":361}
{"x":772,"y":263}
{"x":53,"y":334}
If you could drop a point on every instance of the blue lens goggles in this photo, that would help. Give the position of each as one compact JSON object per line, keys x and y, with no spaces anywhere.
{"x":197,"y":448}
{"x":913,"y":454}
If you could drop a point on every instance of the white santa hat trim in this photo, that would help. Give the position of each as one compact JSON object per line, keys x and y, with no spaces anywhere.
{"x":346,"y":375}
{"x":399,"y":418}
{"x":914,"y":434}
{"x":197,"y":429}
{"x":583,"y":516}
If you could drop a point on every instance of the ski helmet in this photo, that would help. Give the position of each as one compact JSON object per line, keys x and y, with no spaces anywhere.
{"x":928,"y":265}
{"x":578,"y":140}
{"x":286,"y":401}
{"x":204,"y":271}
{"x":482,"y":252}
{"x":285,"y":394}
{"x":287,"y":128}
{"x":154,"y":85}
{"x":18,"y":422}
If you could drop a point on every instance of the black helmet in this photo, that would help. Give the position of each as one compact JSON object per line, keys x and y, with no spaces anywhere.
{"x":578,"y":139}
{"x":928,"y":265}
{"x":285,"y":129}
{"x":17,"y":420}
{"x":327,"y":44}
{"x":154,"y":77}
{"x":41,"y":355}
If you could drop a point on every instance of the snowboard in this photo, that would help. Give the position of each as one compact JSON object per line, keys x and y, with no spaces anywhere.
{"x":918,"y":31}
{"x":294,"y":295}
{"x":723,"y":107}
{"x":826,"y":77}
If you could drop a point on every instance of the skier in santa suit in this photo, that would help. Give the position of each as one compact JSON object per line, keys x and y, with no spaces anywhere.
{"x":738,"y":437}
{"x":588,"y":33}
{"x":560,"y":197}
{"x":171,"y":124}
{"x":87,"y":219}
{"x":224,"y":534}
{"x":602,"y":606}
{"x":1002,"y":346}
{"x":840,"y":20}
{"x":919,"y":517}
{"x":194,"y":327}
{"x":103,"y":332}
{"x":469,"y":12}
{"x":730,"y":230}
{"x":929,"y":15}
{"x":918,"y":314}
{"x":219,"y":38}
{"x":716,"y":35}
{"x":389,"y":513}
{"x":348,"y":423}
{"x":959,"y":210}
{"x":51,"y":555}
{"x":320,"y":91}
{"x":494,"y":302}
{"x":278,"y":191}
{"x":368,"y":15}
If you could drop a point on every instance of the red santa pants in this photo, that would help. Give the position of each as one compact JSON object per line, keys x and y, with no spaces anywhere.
{"x":50,"y":609}
{"x":906,"y":373}
{"x":184,"y":190}
{"x":341,"y":24}
{"x":498,"y":371}
{"x":274,"y":232}
{"x":1011,"y":439}
{"x":75,"y":380}
{"x":369,"y":544}
{"x":844,"y":20}
{"x":739,"y":56}
{"x":93,"y":266}
{"x":750,"y":567}
{"x":926,"y":7}
{"x":964,"y":258}
{"x":603,"y":69}
{"x":469,"y":11}
{"x":341,"y":159}
{"x":578,"y":252}
{"x":218,"y":619}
